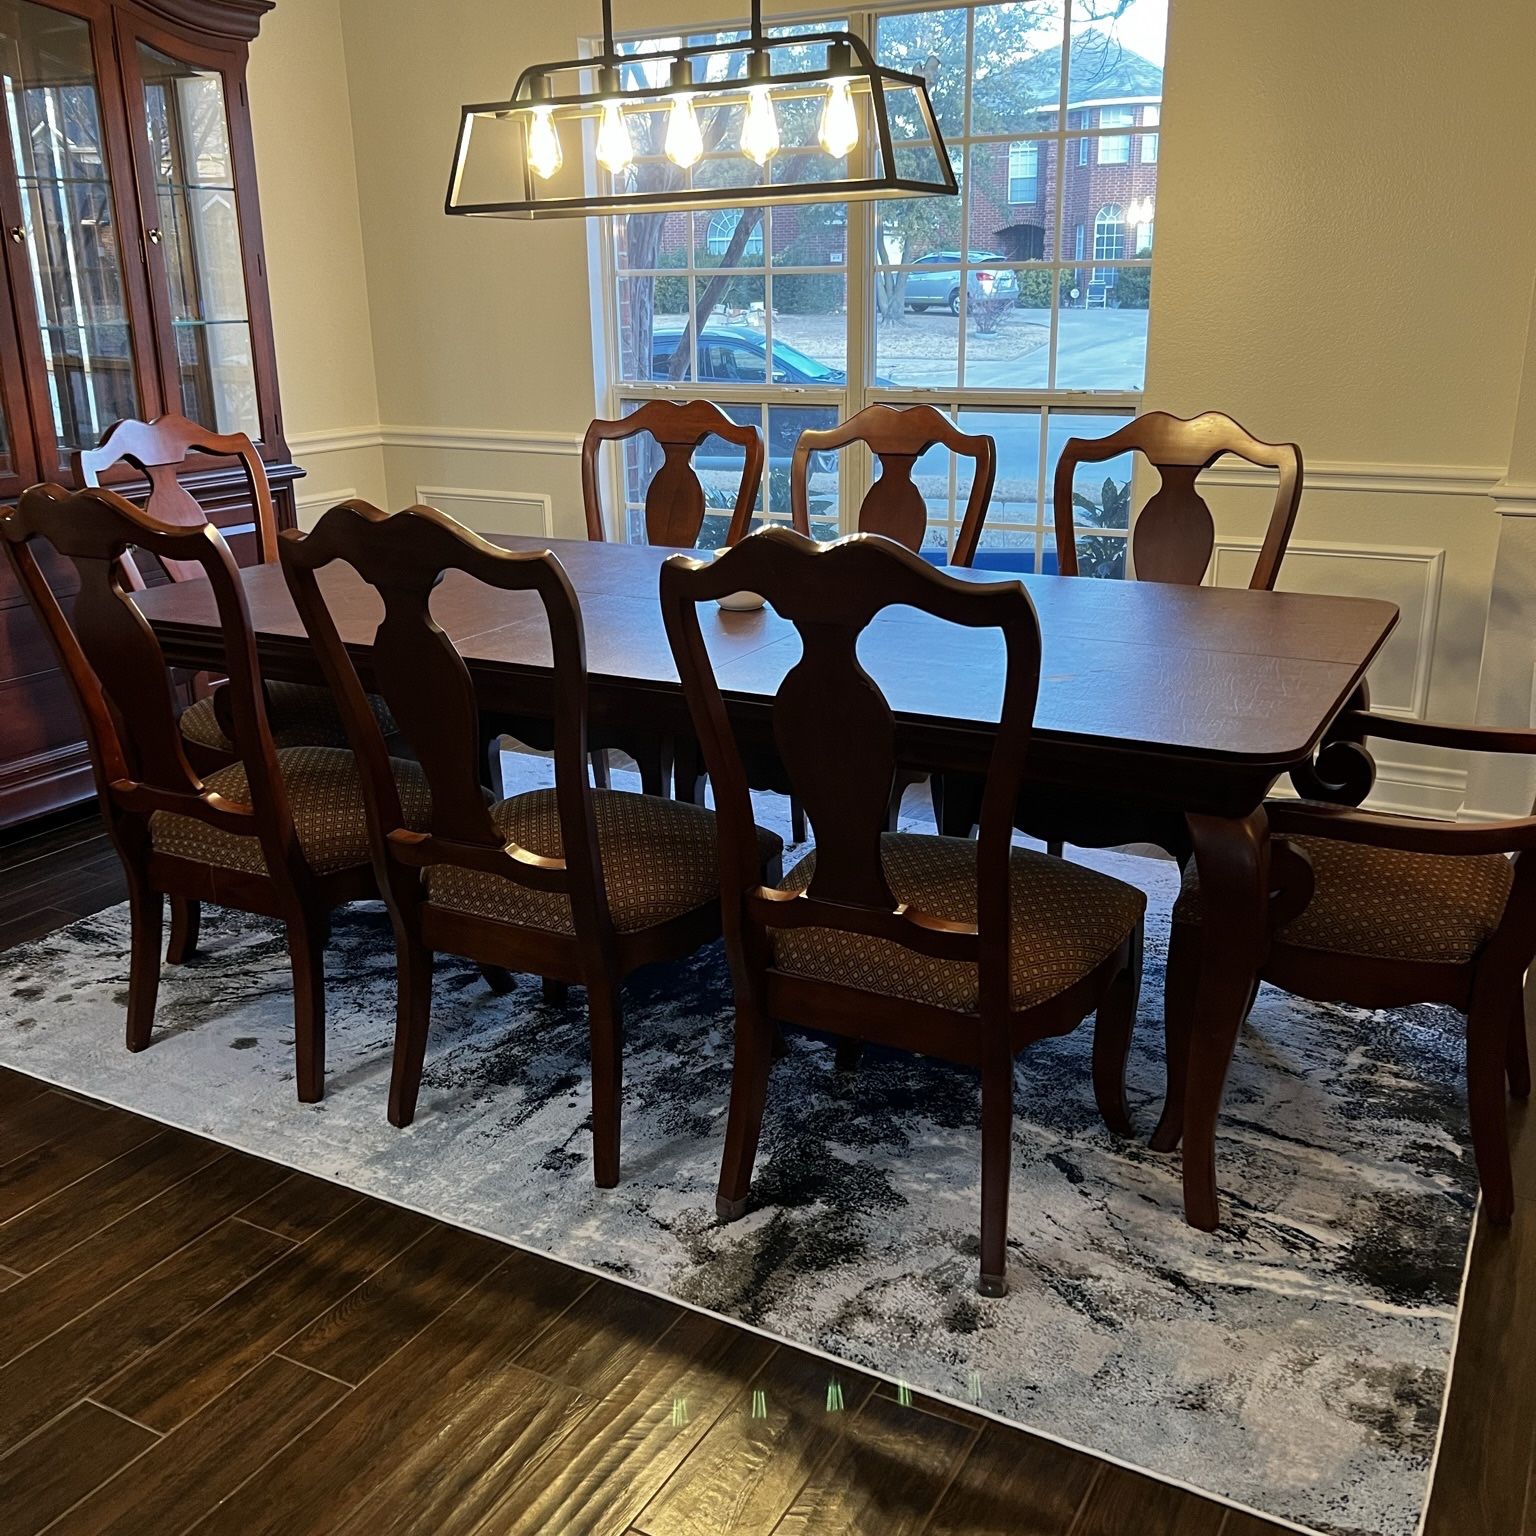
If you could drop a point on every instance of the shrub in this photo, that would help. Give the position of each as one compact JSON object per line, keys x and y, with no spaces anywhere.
{"x":1035,"y":288}
{"x":809,"y":293}
{"x":1133,"y":287}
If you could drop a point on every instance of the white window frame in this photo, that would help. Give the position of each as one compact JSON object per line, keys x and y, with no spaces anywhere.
{"x":1021,"y":150}
{"x":1115,"y":148}
{"x":1151,"y":117}
{"x":858,"y":268}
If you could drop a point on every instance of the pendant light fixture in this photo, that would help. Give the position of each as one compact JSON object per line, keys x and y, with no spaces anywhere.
{"x":744,"y":122}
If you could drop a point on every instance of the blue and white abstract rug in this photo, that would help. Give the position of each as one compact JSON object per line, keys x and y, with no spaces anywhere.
{"x":1294,"y":1363}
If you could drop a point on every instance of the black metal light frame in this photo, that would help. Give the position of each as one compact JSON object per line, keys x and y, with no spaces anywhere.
{"x":844,"y":49}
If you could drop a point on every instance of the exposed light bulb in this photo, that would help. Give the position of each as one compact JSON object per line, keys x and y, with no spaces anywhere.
{"x":544,"y":144}
{"x":614,"y":149}
{"x":760,"y":131}
{"x":839,"y":122}
{"x":684,"y":141}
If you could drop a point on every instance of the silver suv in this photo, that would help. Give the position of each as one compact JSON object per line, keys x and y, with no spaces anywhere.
{"x":935,"y":279}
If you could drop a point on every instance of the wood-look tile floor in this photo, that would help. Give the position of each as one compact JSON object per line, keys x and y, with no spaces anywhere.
{"x":196,"y":1340}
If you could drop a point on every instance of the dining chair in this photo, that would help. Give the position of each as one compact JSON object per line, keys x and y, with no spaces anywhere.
{"x":161,"y":450}
{"x":675,"y":508}
{"x":279,"y":831}
{"x":1171,"y":540}
{"x":572,"y":883}
{"x":965,"y":950}
{"x":675,"y":501}
{"x":1379,"y":911}
{"x":1173,"y":536}
{"x":898,"y":436}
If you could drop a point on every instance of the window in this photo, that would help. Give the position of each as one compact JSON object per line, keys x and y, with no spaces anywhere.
{"x":1108,"y":239}
{"x":1115,"y":149}
{"x":1150,"y":117}
{"x":1023,"y":173}
{"x":718,"y":240}
{"x":1018,"y":308}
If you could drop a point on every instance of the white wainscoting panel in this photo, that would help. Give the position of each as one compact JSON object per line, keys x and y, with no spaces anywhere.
{"x":313,"y":504}
{"x":1409,"y":576}
{"x":492,"y":511}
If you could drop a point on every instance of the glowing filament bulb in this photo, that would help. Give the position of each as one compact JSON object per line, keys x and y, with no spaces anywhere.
{"x":614,"y":149}
{"x":684,"y":141}
{"x":760,"y":132}
{"x":839,"y":122}
{"x":543,"y":144}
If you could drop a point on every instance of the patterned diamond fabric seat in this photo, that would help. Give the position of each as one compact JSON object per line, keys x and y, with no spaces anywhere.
{"x":325,"y":793}
{"x":1066,"y":920}
{"x":1386,"y":904}
{"x":660,"y":860}
{"x":300,"y":715}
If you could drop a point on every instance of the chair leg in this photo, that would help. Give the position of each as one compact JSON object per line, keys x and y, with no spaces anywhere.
{"x":498,"y":979}
{"x":1518,"y":1064}
{"x":605,"y":1022}
{"x":996,"y":1164}
{"x":306,"y":955}
{"x":413,"y":1018}
{"x":599,"y":768}
{"x":1182,"y":984}
{"x":555,"y":992}
{"x":1487,"y":1063}
{"x":186,"y":921}
{"x":655,"y":764}
{"x":744,"y":1124}
{"x":495,"y":779}
{"x":796,"y":819}
{"x":146,"y":912}
{"x":849,"y":1051}
{"x":1112,"y":1040}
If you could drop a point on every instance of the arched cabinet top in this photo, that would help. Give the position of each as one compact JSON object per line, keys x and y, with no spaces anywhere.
{"x":234,"y":20}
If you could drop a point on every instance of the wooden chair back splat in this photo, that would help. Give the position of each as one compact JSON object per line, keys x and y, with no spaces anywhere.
{"x":1173,"y":535}
{"x":898,"y":436}
{"x":674,"y":499}
{"x":159,"y":450}
{"x":835,"y":732}
{"x":423,"y":680}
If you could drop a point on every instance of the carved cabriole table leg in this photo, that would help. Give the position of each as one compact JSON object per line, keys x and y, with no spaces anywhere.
{"x":1232,"y":856}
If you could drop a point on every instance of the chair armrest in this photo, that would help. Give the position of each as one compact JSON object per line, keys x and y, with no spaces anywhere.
{"x":1406,"y":834}
{"x":1430,"y":733}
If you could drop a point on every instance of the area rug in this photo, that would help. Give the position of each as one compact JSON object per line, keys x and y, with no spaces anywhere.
{"x":1294,"y":1363}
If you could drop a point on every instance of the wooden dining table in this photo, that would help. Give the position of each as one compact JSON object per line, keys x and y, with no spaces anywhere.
{"x":1191,"y":699}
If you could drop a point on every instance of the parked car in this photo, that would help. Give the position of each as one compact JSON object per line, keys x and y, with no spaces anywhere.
{"x":935,"y":279}
{"x":737,"y":354}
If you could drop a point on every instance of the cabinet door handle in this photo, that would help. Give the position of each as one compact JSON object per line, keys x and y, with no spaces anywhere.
{"x":18,"y":233}
{"x":155,"y":236}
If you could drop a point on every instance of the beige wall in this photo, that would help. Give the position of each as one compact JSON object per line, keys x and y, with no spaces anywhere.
{"x":1346,"y":248}
{"x":307,"y":167}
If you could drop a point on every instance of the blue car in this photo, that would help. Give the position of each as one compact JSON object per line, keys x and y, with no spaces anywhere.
{"x":737,"y":354}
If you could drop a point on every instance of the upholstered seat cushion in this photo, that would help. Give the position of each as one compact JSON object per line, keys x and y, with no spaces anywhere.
{"x":660,"y":860}
{"x":1066,"y":920}
{"x":299,"y":715}
{"x":325,"y":794}
{"x":1388,"y":905}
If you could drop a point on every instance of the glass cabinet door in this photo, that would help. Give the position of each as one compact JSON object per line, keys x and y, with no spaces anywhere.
{"x":194,"y":225}
{"x":67,"y":226}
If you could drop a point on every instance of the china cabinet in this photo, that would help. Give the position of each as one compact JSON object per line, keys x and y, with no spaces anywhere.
{"x":134,"y":283}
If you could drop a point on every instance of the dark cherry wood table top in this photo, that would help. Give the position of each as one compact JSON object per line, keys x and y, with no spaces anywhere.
{"x":1141,"y":669}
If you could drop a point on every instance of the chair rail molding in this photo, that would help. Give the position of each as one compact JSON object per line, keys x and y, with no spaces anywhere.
{"x":473,"y":439}
{"x":1514,"y":498}
{"x":1357,"y":476}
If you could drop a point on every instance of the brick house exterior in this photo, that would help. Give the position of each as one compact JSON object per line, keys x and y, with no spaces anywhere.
{"x":1108,"y":183}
